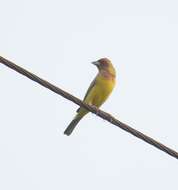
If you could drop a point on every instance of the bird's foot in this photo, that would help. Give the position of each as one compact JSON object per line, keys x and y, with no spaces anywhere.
{"x":96,"y":108}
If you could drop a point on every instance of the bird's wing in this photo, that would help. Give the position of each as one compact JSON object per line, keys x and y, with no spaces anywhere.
{"x":89,"y":89}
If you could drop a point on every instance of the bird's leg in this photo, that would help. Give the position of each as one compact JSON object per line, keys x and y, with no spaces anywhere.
{"x":96,"y":108}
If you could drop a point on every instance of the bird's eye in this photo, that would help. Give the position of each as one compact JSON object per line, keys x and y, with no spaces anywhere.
{"x":104,"y":62}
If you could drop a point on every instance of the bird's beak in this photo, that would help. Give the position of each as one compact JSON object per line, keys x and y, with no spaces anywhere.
{"x":96,"y":63}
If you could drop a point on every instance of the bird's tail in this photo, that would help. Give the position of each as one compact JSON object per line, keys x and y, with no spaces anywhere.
{"x":72,"y":125}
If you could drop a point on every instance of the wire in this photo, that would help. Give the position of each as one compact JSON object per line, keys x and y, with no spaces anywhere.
{"x":92,"y":109}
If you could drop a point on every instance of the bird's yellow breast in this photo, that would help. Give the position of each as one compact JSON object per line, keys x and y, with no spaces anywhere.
{"x":101,"y":90}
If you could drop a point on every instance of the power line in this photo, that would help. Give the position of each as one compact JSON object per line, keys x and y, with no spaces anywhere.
{"x":92,"y":109}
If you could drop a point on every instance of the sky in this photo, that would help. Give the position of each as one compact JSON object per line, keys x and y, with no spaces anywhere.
{"x":58,"y":40}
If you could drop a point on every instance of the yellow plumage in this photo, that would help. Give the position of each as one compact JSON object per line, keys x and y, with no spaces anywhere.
{"x":98,"y":92}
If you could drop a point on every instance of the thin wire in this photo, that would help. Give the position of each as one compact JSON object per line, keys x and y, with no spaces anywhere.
{"x":92,"y":109}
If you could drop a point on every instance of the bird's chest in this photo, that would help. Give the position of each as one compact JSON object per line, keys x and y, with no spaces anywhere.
{"x":105,"y":82}
{"x":103,"y":89}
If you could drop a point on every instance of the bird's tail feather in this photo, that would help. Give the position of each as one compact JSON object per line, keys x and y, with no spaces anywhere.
{"x":72,"y":126}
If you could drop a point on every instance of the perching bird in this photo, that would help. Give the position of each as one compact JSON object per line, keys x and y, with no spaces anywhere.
{"x":98,"y":91}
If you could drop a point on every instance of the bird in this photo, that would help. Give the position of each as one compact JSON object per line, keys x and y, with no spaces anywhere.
{"x":98,"y":91}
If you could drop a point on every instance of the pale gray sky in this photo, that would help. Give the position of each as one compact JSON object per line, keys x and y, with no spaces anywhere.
{"x":57,"y":40}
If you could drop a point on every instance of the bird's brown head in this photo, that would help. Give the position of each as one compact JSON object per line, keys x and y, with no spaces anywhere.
{"x":104,"y":64}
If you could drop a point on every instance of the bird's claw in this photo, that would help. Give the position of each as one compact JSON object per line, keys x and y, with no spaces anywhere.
{"x":96,"y":108}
